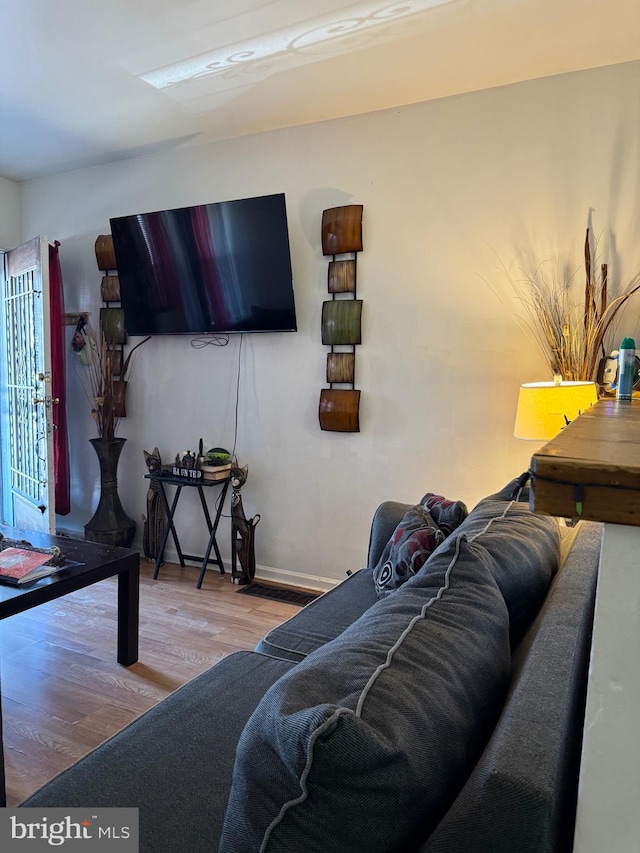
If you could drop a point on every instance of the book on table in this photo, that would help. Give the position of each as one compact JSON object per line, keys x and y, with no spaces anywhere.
{"x":205,"y":472}
{"x":19,"y":566}
{"x":217,"y":472}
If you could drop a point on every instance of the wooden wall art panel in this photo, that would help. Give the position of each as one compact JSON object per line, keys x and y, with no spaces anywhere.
{"x":342,"y":277}
{"x":112,"y":322}
{"x":339,"y":410}
{"x":341,"y":368}
{"x":105,"y":256}
{"x":342,"y":229}
{"x":341,"y":318}
{"x":115,"y":359}
{"x":110,"y":288}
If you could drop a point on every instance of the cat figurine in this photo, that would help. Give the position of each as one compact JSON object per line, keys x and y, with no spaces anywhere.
{"x":153,"y":522}
{"x":243,"y":560}
{"x":153,"y":460}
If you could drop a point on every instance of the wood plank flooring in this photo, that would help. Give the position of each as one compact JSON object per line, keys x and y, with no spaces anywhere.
{"x":62,"y":690}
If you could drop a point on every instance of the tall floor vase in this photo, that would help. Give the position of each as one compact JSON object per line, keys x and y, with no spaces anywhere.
{"x":110,"y":523}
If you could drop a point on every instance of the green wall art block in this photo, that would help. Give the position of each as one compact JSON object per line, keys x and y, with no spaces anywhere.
{"x":341,"y":322}
{"x":112,"y":325}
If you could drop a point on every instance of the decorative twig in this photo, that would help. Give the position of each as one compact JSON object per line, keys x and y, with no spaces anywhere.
{"x":104,"y":390}
{"x":128,"y":358}
{"x":571,"y":337}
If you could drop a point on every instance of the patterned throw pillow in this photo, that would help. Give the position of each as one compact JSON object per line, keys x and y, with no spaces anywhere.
{"x":421,"y":530}
{"x":447,"y":514}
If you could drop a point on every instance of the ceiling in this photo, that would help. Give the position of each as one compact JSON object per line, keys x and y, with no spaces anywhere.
{"x":86,"y":82}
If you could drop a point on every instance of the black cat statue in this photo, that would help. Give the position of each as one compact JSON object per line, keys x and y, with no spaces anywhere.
{"x":243,"y":558}
{"x":153,"y":522}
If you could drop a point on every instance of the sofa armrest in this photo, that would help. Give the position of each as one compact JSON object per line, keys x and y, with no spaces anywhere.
{"x":522,"y":793}
{"x":385,"y":520}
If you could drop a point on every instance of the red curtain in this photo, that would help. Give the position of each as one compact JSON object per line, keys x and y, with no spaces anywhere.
{"x":58,"y":384}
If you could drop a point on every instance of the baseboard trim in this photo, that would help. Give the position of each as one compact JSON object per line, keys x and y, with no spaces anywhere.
{"x":299,"y":579}
{"x":265,"y":573}
{"x":271,"y":574}
{"x":69,"y":534}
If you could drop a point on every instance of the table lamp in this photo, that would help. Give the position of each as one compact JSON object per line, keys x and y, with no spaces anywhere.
{"x":544,"y":408}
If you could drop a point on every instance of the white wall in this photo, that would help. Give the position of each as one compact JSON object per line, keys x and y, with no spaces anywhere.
{"x":9,"y":213}
{"x":448,"y":188}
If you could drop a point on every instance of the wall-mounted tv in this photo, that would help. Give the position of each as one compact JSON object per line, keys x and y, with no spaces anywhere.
{"x":210,"y":268}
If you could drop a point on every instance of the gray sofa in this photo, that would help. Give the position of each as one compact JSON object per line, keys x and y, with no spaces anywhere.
{"x":445,"y":716}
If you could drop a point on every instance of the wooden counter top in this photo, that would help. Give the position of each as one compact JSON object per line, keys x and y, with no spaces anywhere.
{"x":594,"y":462}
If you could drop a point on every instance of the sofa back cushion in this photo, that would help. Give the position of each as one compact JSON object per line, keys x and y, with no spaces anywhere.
{"x":365,"y":743}
{"x":525,"y":548}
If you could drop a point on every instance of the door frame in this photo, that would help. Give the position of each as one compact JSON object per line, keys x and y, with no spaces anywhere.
{"x":32,"y":255}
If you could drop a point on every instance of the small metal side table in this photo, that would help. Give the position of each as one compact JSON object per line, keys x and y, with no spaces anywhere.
{"x":200,"y":485}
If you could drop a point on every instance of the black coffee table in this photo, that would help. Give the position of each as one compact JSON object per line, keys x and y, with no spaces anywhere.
{"x":90,"y":562}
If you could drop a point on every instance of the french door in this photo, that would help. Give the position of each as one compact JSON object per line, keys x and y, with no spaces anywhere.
{"x":27,"y":410}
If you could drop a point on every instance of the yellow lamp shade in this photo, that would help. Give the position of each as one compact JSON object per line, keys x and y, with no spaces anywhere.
{"x":544,"y":408}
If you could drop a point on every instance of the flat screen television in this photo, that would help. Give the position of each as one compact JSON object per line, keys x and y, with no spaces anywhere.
{"x":210,"y":268}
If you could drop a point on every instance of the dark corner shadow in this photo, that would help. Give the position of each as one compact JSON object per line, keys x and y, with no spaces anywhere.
{"x":156,"y":677}
{"x":138,"y":151}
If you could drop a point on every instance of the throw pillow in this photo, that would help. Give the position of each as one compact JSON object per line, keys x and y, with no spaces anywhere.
{"x":362,"y":746}
{"x":421,"y":530}
{"x":447,"y":514}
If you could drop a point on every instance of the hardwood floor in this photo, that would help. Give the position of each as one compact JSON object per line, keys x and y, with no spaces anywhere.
{"x":62,"y":690}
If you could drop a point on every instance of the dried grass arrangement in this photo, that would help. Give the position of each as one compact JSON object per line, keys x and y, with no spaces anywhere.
{"x":571,"y":334}
{"x":107,"y":390}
